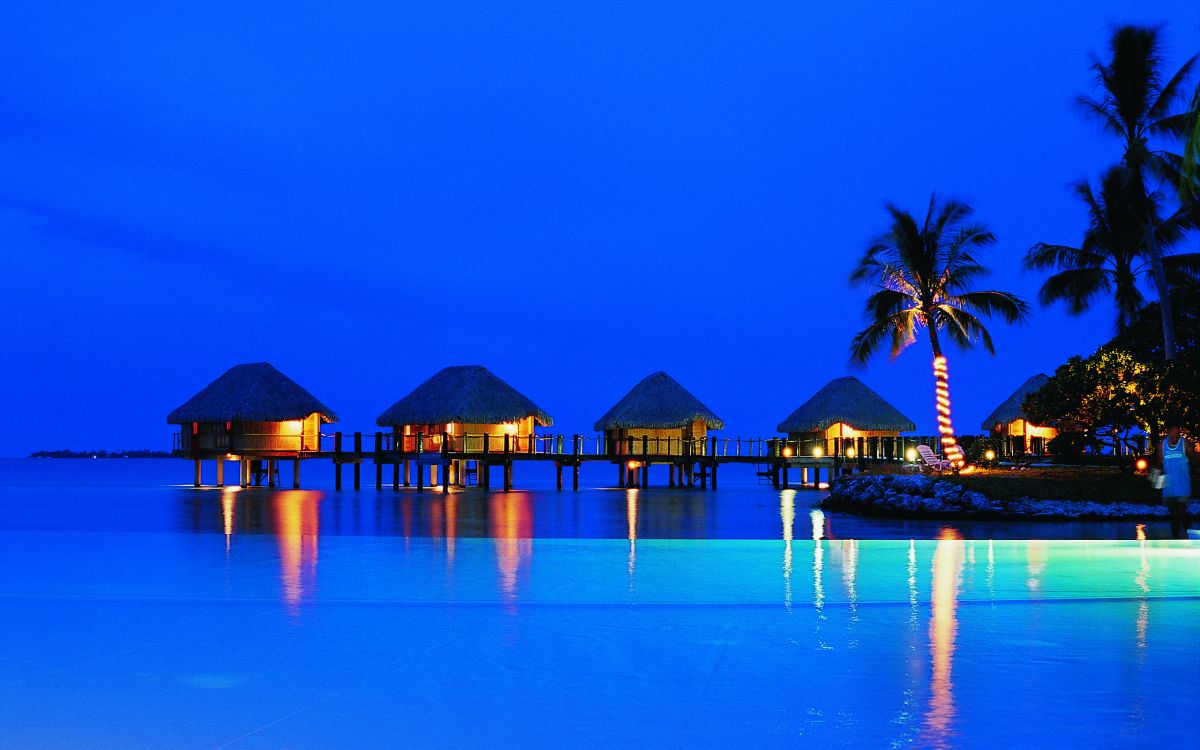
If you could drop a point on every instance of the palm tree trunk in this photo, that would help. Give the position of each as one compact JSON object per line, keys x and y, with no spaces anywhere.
{"x":1164,"y":293}
{"x":950,"y":447}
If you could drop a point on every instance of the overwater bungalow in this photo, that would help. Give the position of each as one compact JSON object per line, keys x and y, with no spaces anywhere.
{"x":471,"y":408}
{"x":658,"y":417}
{"x":1011,"y":425}
{"x":846,"y":418}
{"x":251,"y":413}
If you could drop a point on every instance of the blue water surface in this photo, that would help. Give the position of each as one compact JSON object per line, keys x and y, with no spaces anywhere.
{"x":140,"y":613}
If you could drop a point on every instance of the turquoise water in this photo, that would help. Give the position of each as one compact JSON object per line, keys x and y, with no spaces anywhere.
{"x":144,"y":615}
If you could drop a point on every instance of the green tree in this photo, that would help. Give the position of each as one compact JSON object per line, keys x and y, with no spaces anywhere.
{"x":1112,"y":257}
{"x":1136,"y":105}
{"x":922,"y":274}
{"x":1189,"y":183}
{"x":1125,"y":384}
{"x":1093,"y":397}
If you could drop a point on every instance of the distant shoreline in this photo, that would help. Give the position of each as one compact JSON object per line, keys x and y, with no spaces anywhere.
{"x":100,"y":454}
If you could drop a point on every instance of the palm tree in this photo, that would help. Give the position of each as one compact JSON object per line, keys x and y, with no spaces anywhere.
{"x":1112,"y":257}
{"x":1189,"y":185}
{"x":922,"y":275}
{"x":1136,"y":106}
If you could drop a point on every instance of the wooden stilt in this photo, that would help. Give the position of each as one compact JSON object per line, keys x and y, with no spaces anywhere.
{"x":337,"y":460}
{"x":785,"y":476}
{"x":295,"y":473}
{"x":220,"y":472}
{"x":485,"y":475}
{"x":378,"y":462}
{"x":197,"y":479}
{"x":714,"y":478}
{"x":558,"y":476}
{"x":621,"y":472}
{"x":396,"y":475}
{"x":445,"y":478}
{"x":420,"y":473}
{"x":407,"y":473}
{"x":508,"y":467}
{"x":671,"y":474}
{"x":271,"y":472}
{"x":645,"y":482}
{"x":358,"y":460}
{"x":575,"y":476}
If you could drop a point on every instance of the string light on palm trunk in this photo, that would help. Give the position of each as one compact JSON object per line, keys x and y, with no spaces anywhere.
{"x":950,"y":446}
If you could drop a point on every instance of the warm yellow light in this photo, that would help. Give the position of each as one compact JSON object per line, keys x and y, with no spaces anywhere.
{"x":1142,"y":464}
{"x":910,"y":455}
{"x":509,"y":428}
{"x":818,"y":452}
{"x":990,"y":455}
{"x":851,"y":453}
{"x":632,"y":464}
{"x":787,"y":451}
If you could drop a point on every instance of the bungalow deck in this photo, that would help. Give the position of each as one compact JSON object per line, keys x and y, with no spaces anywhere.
{"x":454,"y":460}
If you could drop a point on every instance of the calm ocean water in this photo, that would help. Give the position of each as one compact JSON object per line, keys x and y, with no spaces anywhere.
{"x":139,"y":613}
{"x":156,"y":495}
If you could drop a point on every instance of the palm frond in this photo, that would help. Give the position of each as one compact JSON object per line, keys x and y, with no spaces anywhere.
{"x":1006,"y":305}
{"x":1078,"y":287}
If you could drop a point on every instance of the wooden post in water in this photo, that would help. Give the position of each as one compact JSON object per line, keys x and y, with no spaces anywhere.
{"x":507,"y":467}
{"x":785,"y":474}
{"x":445,"y":463}
{"x":575,"y":465}
{"x":396,"y":474}
{"x":378,"y":461}
{"x":197,"y":480}
{"x":621,"y":472}
{"x":558,"y":475}
{"x":220,"y":472}
{"x":714,"y":473}
{"x":420,"y":474}
{"x":645,"y":474}
{"x":295,"y":473}
{"x":671,"y":475}
{"x":270,"y":472}
{"x":357,"y":460}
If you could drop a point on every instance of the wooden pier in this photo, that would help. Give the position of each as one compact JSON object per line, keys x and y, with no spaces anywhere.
{"x":444,"y":461}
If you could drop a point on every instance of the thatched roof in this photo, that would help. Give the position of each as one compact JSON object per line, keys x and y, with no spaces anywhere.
{"x":251,"y":393}
{"x":466,"y":394}
{"x":1010,"y":410}
{"x":849,"y":401}
{"x":658,"y":403}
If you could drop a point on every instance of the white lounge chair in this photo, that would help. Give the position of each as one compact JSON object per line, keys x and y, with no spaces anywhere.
{"x":930,"y":459}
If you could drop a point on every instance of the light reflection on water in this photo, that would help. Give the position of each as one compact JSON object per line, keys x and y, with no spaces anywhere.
{"x":297,"y":530}
{"x":938,"y":729}
{"x":900,"y":646}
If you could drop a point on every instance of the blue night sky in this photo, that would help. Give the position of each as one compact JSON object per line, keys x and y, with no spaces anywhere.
{"x":571,"y":195}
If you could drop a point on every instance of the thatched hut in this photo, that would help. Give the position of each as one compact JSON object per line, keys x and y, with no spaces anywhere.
{"x":466,"y":403}
{"x":253,"y":409}
{"x":1010,"y":423}
{"x":847,"y":414}
{"x":661,"y":415}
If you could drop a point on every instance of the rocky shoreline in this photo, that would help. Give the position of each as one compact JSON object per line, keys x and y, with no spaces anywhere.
{"x":916,"y":496}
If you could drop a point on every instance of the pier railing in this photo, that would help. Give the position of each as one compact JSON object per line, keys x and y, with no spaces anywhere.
{"x":861,"y":450}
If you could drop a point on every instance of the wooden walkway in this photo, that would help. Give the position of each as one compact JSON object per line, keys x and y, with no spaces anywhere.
{"x":466,"y":460}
